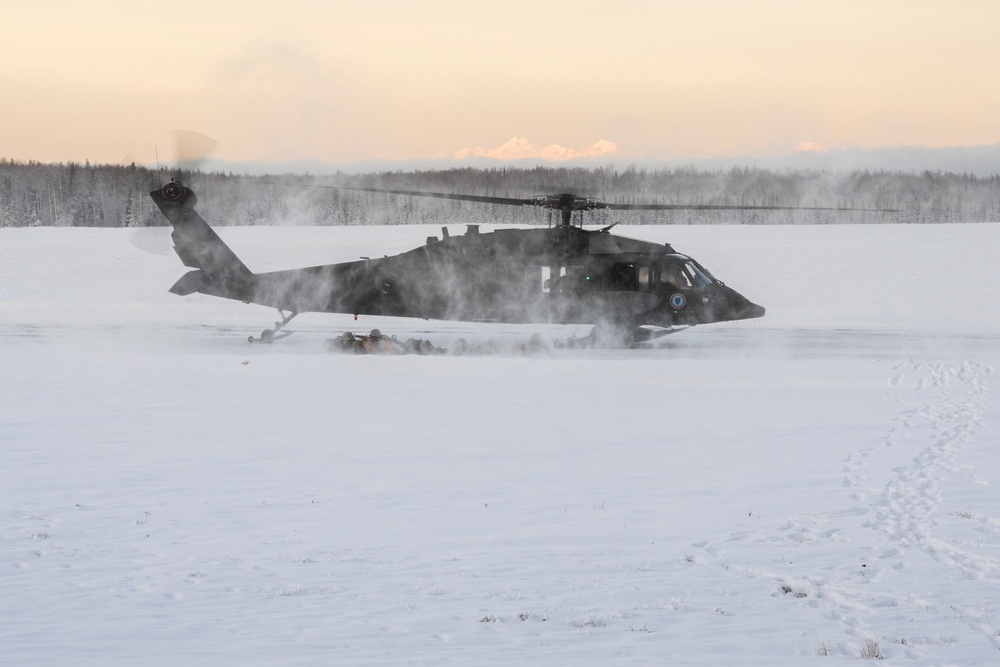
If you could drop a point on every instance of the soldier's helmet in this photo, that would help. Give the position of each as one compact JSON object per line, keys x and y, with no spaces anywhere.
{"x":375,"y":334}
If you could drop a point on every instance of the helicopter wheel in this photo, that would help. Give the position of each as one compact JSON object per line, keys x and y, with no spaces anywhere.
{"x":271,"y":335}
{"x":266,"y":336}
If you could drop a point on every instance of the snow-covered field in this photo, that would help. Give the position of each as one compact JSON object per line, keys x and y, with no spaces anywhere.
{"x":817,"y":485}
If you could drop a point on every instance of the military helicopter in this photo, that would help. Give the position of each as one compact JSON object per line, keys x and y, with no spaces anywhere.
{"x":631,"y":290}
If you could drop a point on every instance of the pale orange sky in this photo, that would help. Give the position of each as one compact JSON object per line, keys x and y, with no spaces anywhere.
{"x":393,"y":79}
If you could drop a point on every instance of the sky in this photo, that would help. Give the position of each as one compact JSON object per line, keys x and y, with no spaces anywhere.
{"x":110,"y":80}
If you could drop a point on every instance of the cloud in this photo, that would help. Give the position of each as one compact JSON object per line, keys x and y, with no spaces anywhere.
{"x":519,"y":148}
{"x":806,"y":146}
{"x":810,"y":146}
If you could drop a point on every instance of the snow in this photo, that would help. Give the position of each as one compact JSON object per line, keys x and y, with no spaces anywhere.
{"x":761,"y":493}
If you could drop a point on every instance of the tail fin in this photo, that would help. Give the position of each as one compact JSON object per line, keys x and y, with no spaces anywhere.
{"x":219,"y":271}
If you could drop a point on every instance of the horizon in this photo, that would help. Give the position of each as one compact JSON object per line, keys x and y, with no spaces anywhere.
{"x":558,"y":81}
{"x":981,"y":161}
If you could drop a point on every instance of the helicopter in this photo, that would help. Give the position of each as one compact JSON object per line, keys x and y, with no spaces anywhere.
{"x":632,"y":291}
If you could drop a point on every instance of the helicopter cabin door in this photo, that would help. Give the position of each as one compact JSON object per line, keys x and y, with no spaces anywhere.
{"x":556,"y":279}
{"x":622,"y":277}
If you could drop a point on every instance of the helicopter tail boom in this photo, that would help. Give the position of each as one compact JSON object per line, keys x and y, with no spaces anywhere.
{"x":218,"y":271}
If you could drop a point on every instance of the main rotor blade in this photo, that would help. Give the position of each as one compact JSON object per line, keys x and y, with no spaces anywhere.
{"x":570,"y":202}
{"x":560,"y":202}
{"x":192,"y":148}
{"x":734,"y":207}
{"x":509,"y":201}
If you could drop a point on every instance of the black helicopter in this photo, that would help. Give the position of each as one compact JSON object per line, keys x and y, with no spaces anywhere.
{"x":631,"y":290}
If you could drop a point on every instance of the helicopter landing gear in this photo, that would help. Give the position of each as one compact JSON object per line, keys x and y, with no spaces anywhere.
{"x":642,"y":335}
{"x":271,"y":335}
{"x":623,"y":335}
{"x":609,"y":335}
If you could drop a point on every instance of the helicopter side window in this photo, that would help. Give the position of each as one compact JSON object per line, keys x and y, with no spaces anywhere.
{"x":538,"y":279}
{"x":645,"y":278}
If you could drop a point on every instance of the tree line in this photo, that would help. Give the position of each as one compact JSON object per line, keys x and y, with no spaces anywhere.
{"x":100,"y":195}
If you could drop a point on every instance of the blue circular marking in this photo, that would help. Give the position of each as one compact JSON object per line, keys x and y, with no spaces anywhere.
{"x":678,"y":301}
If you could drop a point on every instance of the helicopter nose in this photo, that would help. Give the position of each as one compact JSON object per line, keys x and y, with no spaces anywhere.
{"x":742,"y":308}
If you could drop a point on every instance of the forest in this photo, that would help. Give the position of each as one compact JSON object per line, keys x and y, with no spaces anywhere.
{"x":101,"y":195}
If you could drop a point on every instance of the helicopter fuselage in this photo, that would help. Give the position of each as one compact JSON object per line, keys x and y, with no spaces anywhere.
{"x":563,"y":274}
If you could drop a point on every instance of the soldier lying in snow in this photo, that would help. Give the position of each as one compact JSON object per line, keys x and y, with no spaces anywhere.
{"x":376,"y":343}
{"x":535,"y":345}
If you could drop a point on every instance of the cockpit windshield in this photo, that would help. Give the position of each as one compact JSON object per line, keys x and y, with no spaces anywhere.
{"x":682,"y":272}
{"x":672,"y":273}
{"x":699,"y":276}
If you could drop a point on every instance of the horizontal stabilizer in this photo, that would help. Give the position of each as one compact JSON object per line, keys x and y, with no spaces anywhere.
{"x":190,"y":282}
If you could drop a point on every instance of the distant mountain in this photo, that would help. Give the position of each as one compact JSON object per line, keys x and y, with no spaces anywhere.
{"x":519,"y":148}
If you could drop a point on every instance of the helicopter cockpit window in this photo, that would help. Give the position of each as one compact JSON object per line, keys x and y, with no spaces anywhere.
{"x":701,"y":278}
{"x":674,"y":275}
